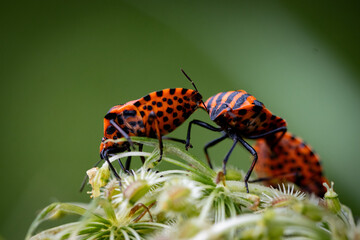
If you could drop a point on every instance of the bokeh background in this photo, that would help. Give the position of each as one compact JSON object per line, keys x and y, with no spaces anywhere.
{"x":65,"y":63}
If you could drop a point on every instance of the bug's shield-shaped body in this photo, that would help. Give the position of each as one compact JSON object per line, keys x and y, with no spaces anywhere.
{"x":157,"y":113}
{"x":291,"y":160}
{"x":242,"y":113}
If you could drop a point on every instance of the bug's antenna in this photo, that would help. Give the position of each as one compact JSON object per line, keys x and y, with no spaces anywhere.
{"x":182,"y":70}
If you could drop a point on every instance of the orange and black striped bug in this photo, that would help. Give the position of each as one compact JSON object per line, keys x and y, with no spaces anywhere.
{"x":291,"y":160}
{"x":153,"y":115}
{"x":239,"y":115}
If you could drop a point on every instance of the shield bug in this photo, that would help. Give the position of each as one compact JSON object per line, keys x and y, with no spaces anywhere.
{"x":291,"y":160}
{"x":239,"y":115}
{"x":153,"y":115}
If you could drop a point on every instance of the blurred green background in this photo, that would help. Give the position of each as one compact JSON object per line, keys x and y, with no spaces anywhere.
{"x":65,"y":63}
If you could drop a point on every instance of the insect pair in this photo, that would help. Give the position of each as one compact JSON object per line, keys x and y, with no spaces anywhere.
{"x":238,"y":114}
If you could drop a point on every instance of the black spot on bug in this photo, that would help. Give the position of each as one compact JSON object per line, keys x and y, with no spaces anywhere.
{"x":120,"y":120}
{"x":236,"y":119}
{"x":186,"y":98}
{"x":110,"y":130}
{"x":118,"y":135}
{"x":133,"y":124}
{"x":263,"y":117}
{"x":180,"y":100}
{"x":126,"y":129}
{"x":176,"y":122}
{"x":186,"y":105}
{"x":175,"y":97}
{"x":169,"y":110}
{"x":280,"y":166}
{"x":257,"y":108}
{"x":172,"y":91}
{"x":179,"y":107}
{"x":242,"y":111}
{"x":169,"y":101}
{"x":265,"y":125}
{"x":184,"y":90}
{"x":175,"y":114}
{"x":153,"y":102}
{"x":147,"y":98}
{"x":140,"y":123}
{"x":255,"y":115}
{"x":159,"y":93}
{"x":137,"y":104}
{"x":165,"y":119}
{"x":185,"y":115}
{"x":129,"y":113}
{"x":272,"y":117}
{"x":167,"y":126}
{"x":142,"y":113}
{"x":145,"y":107}
{"x":138,"y":132}
{"x":279,"y":120}
{"x":245,"y":122}
{"x":150,"y":108}
{"x":159,"y":113}
{"x":164,"y":99}
{"x":159,"y":104}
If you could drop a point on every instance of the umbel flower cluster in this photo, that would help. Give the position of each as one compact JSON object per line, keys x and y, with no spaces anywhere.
{"x":193,"y":202}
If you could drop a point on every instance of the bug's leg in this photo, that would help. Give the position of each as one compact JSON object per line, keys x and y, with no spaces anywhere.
{"x":140,"y":150}
{"x":274,"y":142}
{"x":87,"y":177}
{"x":161,"y":147}
{"x":127,"y":163}
{"x":210,"y":144}
{"x":228,"y":155}
{"x":122,"y":132}
{"x":152,"y":120}
{"x":201,"y":124}
{"x":253,"y":152}
{"x":175,"y":140}
{"x":283,"y":131}
{"x":106,"y":158}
